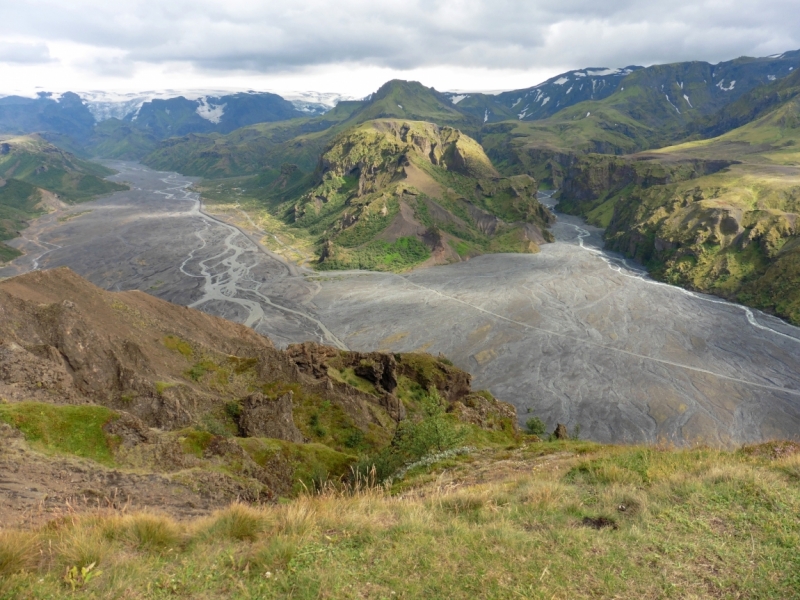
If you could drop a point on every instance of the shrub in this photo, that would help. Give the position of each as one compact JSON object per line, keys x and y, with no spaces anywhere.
{"x":535,"y":426}
{"x":436,"y":432}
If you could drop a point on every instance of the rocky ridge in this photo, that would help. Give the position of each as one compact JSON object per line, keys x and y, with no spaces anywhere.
{"x":192,"y":398}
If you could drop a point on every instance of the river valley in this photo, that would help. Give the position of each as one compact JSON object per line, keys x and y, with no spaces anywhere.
{"x":572,"y":334}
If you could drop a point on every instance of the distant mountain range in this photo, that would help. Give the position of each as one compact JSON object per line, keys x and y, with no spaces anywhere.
{"x":662,"y":97}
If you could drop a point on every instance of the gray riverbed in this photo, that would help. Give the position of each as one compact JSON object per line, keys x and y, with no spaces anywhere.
{"x":572,"y":334}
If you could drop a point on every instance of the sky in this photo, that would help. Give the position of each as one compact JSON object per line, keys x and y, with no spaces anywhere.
{"x":351,"y":47}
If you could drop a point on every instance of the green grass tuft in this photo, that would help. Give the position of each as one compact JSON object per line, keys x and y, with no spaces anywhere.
{"x":76,"y":430}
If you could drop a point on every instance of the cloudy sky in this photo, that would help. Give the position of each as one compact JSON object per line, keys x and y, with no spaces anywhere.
{"x":352,"y":46}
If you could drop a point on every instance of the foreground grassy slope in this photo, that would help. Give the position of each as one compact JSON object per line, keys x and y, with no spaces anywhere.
{"x":536,"y":520}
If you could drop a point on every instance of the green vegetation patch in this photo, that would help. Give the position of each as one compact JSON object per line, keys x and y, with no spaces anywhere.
{"x":181,"y":346}
{"x":378,"y":255}
{"x":313,"y":463}
{"x":76,"y":430}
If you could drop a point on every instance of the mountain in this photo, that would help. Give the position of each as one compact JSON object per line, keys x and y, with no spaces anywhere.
{"x":650,"y":107}
{"x":395,"y":193}
{"x":545,"y":99}
{"x":36,"y":177}
{"x":130,"y":128}
{"x":116,"y":139}
{"x":204,"y":407}
{"x":748,"y":107}
{"x":179,"y":116}
{"x":66,"y":115}
{"x":252,"y":149}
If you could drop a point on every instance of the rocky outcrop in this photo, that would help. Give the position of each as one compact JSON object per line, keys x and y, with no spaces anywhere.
{"x":264,"y":417}
{"x":485,"y":412}
{"x":384,"y":371}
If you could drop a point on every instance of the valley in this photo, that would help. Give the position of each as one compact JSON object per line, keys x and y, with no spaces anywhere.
{"x":571,"y":334}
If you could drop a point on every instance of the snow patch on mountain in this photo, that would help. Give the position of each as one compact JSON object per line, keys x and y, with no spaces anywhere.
{"x":685,"y":97}
{"x":561,"y":81}
{"x":459,"y":98}
{"x":210,"y":112}
{"x":671,"y":104}
{"x":721,"y":85}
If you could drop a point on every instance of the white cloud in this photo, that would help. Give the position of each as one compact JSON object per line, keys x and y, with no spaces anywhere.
{"x":24,"y":53}
{"x":140,"y":44}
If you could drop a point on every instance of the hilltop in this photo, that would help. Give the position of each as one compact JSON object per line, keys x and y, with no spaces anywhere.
{"x":393,"y":193}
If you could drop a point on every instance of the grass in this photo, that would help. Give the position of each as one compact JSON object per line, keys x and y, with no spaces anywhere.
{"x":178,"y":345}
{"x":542,"y":520}
{"x":76,"y":430}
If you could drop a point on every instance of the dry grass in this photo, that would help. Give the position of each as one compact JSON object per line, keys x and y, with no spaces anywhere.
{"x":554,"y":521}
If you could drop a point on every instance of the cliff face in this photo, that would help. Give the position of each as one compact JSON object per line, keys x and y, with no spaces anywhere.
{"x":716,"y":226}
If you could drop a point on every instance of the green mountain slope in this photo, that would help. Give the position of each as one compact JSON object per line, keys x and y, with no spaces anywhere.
{"x":650,"y":108}
{"x":393,"y":193}
{"x":35,"y":176}
{"x":749,"y":107}
{"x":35,"y":161}
{"x":731,"y":231}
{"x":117,"y":139}
{"x":18,"y":203}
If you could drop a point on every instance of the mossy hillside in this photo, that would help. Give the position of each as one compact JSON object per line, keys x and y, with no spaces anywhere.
{"x":41,"y":164}
{"x":593,"y":184}
{"x":439,"y":175}
{"x":75,"y":430}
{"x":720,"y":233}
{"x":536,"y":520}
{"x":312,"y":464}
{"x":334,"y":443}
